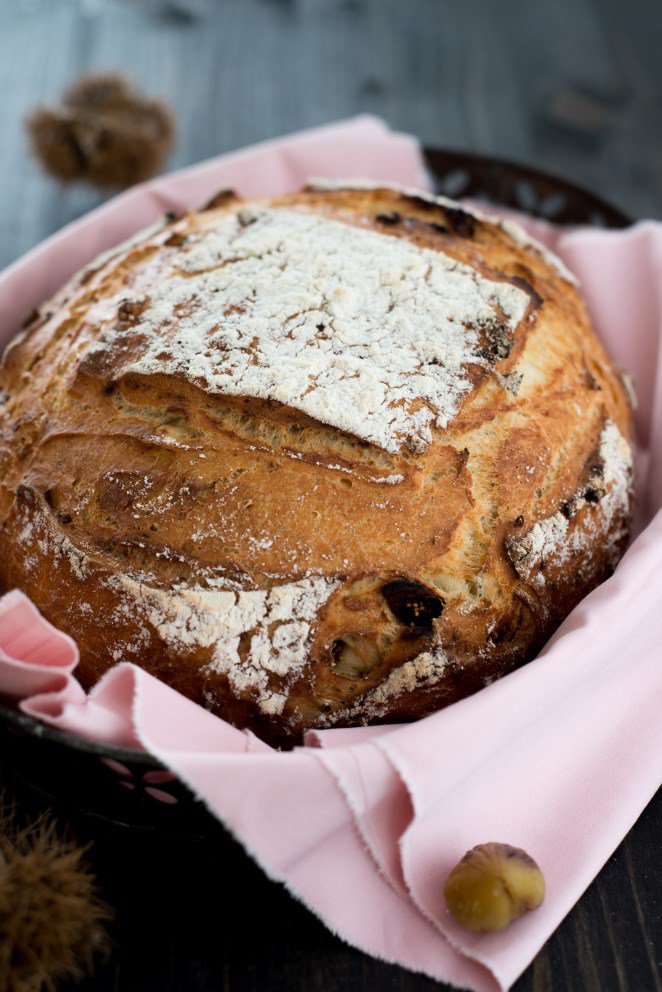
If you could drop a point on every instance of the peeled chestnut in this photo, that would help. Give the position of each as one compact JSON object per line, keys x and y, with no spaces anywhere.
{"x":354,"y":657}
{"x":493,"y":885}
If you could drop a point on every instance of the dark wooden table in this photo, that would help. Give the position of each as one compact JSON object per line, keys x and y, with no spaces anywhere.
{"x":574,"y":86}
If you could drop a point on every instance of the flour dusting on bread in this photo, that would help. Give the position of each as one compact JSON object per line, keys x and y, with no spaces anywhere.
{"x":556,"y":538}
{"x":507,"y":224}
{"x":422,"y":672}
{"x":365,"y":332}
{"x":280,"y":621}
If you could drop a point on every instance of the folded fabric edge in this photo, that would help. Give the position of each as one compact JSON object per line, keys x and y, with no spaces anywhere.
{"x":78,"y":713}
{"x":482,"y":981}
{"x":402,"y":844}
{"x":329,"y":761}
{"x":15,"y":601}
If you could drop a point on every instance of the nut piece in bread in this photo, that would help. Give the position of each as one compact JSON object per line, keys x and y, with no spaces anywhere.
{"x":341,"y":456}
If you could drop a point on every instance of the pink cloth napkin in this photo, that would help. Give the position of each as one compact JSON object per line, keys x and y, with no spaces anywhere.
{"x":363,"y":825}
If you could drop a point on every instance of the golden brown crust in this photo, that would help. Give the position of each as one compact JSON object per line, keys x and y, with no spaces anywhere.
{"x":289,"y":572}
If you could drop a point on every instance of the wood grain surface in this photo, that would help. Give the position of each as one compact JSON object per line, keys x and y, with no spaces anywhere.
{"x":573,"y":86}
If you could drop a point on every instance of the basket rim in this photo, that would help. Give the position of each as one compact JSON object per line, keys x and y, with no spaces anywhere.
{"x":434,"y":156}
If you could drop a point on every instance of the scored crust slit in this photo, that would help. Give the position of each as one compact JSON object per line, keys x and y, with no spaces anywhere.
{"x":341,"y":456}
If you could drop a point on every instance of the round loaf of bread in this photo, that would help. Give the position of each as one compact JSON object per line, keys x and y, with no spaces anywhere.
{"x":336,"y":457}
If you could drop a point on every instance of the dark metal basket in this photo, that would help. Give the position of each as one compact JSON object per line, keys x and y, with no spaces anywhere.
{"x":130,"y":788}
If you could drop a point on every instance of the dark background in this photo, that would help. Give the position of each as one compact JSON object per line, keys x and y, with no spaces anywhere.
{"x":572,"y":86}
